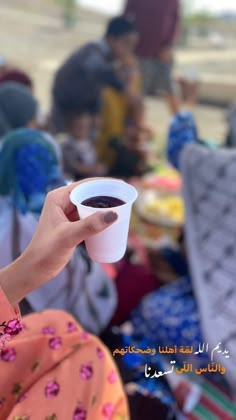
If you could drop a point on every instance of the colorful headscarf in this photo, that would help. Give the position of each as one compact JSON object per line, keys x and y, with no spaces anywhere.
{"x":29,"y":168}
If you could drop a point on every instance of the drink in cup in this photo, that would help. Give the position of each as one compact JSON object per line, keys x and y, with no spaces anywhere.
{"x":103,"y":195}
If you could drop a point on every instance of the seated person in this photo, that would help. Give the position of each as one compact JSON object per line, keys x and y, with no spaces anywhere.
{"x":79,"y":153}
{"x":51,"y":368}
{"x":29,"y":168}
{"x":199,"y":307}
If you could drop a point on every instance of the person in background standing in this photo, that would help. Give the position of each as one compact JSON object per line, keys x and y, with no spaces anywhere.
{"x":157,"y":23}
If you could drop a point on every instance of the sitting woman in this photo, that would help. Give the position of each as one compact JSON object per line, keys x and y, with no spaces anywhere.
{"x":198,"y":310}
{"x":50,"y":367}
{"x":29,"y":168}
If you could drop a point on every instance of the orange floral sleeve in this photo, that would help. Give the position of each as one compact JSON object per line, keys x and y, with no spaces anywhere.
{"x":10,"y":324}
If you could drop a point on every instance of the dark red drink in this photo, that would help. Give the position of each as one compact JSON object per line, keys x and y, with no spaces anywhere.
{"x":103,"y":202}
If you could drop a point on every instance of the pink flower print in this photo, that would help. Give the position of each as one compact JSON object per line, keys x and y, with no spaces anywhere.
{"x":71,"y":327}
{"x":13,"y":327}
{"x":112,"y":377}
{"x":55,"y":343}
{"x":52,"y":389}
{"x":48,"y":330}
{"x":4,"y":338}
{"x":8,"y":355}
{"x":80,"y":413}
{"x":100,"y":353}
{"x":107,"y":410}
{"x":84,"y":335}
{"x":86,"y":371}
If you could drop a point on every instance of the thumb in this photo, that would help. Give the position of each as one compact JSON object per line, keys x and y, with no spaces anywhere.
{"x":96,"y":223}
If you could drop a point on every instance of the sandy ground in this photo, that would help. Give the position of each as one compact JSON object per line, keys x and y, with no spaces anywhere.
{"x":39,"y":43}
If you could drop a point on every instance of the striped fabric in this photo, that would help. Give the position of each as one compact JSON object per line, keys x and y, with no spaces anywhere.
{"x":215,"y":404}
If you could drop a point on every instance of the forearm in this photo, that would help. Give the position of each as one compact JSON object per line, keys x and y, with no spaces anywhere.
{"x":17,"y":279}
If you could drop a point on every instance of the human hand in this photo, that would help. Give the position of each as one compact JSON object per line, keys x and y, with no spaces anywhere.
{"x":58,"y":233}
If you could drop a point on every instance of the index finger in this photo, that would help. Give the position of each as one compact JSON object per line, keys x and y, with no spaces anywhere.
{"x":61,"y":196}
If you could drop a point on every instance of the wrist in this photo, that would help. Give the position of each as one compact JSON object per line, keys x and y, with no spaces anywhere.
{"x":19,"y":278}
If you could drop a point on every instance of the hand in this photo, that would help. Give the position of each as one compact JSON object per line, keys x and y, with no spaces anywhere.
{"x":166,"y":55}
{"x":58,"y":233}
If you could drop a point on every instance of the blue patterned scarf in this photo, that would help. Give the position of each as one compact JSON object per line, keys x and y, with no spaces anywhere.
{"x":29,"y":168}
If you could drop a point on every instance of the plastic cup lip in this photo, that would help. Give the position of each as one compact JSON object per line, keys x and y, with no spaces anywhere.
{"x":103,"y":181}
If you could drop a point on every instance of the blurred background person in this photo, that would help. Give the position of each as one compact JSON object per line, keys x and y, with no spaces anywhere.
{"x":78,"y":149}
{"x":79,"y":82}
{"x":157,"y":23}
{"x":29,"y":169}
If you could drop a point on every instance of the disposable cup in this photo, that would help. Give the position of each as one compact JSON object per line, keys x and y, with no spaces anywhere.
{"x":110,"y":245}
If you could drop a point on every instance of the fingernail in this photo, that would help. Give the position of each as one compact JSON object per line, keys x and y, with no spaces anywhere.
{"x":110,"y":217}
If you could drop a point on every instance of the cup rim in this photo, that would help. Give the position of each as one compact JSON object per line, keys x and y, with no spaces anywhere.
{"x":115,"y":181}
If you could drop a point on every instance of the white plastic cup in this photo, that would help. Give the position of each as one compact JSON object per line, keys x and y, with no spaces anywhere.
{"x":110,"y":245}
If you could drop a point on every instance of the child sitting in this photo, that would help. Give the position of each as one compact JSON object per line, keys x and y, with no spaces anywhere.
{"x":79,"y":154}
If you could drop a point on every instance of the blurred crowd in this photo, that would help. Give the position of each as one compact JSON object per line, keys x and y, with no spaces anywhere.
{"x":97,"y":127}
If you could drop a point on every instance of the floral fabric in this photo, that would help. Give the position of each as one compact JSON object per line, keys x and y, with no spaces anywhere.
{"x":54,"y":370}
{"x":10,"y":325}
